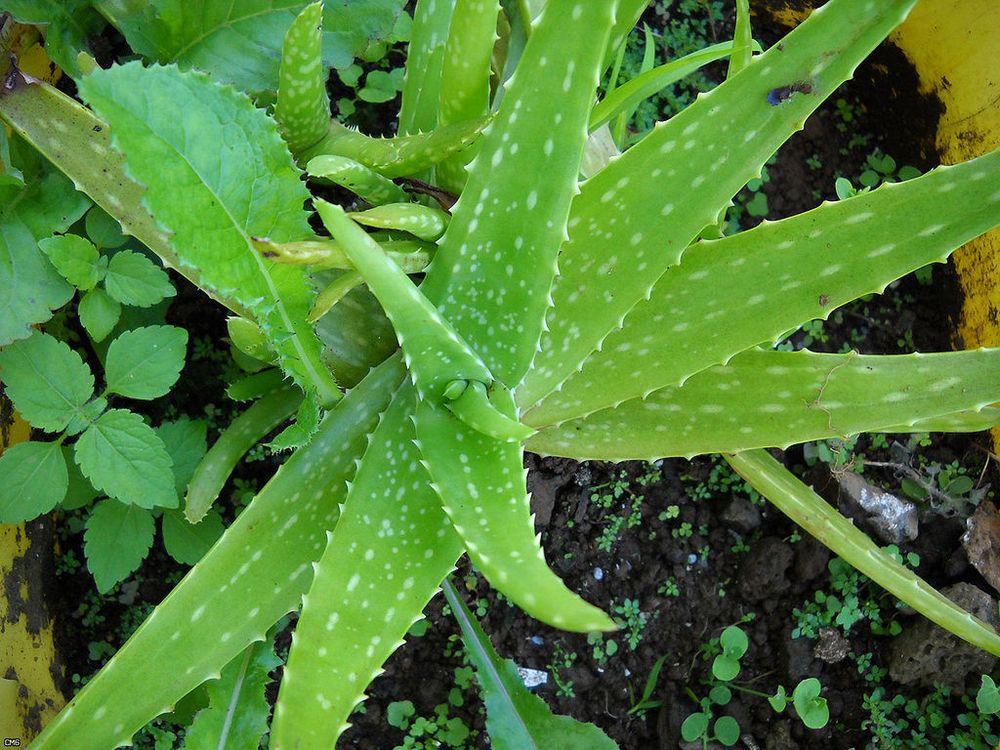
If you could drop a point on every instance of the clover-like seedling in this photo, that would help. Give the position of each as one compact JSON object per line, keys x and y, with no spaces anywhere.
{"x":810,"y":707}
{"x":988,"y":696}
{"x":725,"y":730}
{"x":726,"y":665}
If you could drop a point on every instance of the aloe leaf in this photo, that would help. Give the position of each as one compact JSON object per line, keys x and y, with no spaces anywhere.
{"x":813,"y":514}
{"x":384,"y":560}
{"x":960,"y":421}
{"x":629,"y":95}
{"x":664,"y":190}
{"x":541,"y":125}
{"x":516,"y":719}
{"x":424,"y":63}
{"x":435,"y":355}
{"x":333,"y":292}
{"x":743,"y":43}
{"x":213,"y":190}
{"x":303,"y":106}
{"x":481,"y":482}
{"x":412,"y":256}
{"x":240,"y":42}
{"x":399,"y":156}
{"x":465,"y":81}
{"x":767,"y":398}
{"x":363,"y":181}
{"x":259,"y":568}
{"x":248,"y":429}
{"x":425,"y":222}
{"x":771,"y":279}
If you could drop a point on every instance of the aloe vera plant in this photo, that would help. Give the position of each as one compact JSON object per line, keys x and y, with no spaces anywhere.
{"x":583,"y":319}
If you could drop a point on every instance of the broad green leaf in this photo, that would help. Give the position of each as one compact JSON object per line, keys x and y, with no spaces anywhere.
{"x":516,"y":719}
{"x":424,"y":63}
{"x":74,"y":257}
{"x":87,"y":415}
{"x":66,"y":25}
{"x":10,"y":175}
{"x":188,"y":542}
{"x":122,"y":456}
{"x":240,"y":43}
{"x":236,"y":717}
{"x":145,"y":363}
{"x":186,"y":443}
{"x":99,"y":313}
{"x":248,"y":429}
{"x":117,"y":539}
{"x":30,"y":287}
{"x":133,"y":279}
{"x":47,"y":381}
{"x":669,"y":186}
{"x":481,"y":483}
{"x":303,"y":107}
{"x":748,"y":289}
{"x":767,"y":398}
{"x":299,"y":432}
{"x":218,"y":173}
{"x":814,"y":514}
{"x":505,"y":228}
{"x":35,"y":480}
{"x":79,"y":492}
{"x":384,"y":560}
{"x":255,"y":574}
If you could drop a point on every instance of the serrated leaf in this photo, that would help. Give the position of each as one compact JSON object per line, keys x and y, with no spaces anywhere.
{"x":117,"y":539}
{"x":74,"y":257}
{"x":775,"y":277}
{"x":240,"y":43}
{"x":671,"y":184}
{"x":195,"y":625}
{"x":768,"y":398}
{"x":299,"y":432}
{"x":35,"y":479}
{"x":215,"y":198}
{"x":67,"y":25}
{"x":516,"y":719}
{"x":186,"y":442}
{"x":369,"y":586}
{"x":79,"y":491}
{"x":87,"y":415}
{"x":122,"y":456}
{"x":145,"y":363}
{"x":237,"y":714}
{"x":133,"y":279}
{"x":30,"y":287}
{"x":188,"y":542}
{"x":545,"y":116}
{"x":47,"y":381}
{"x":99,"y":313}
{"x":303,"y":106}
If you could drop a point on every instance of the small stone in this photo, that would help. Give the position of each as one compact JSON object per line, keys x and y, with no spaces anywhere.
{"x":741,"y":515}
{"x":925,"y":653}
{"x":599,"y":574}
{"x":532,"y":678}
{"x":893,"y":519}
{"x":832,"y":647}
{"x":982,"y":542}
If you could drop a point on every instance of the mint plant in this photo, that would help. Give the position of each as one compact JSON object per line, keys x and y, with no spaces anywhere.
{"x":582,"y":319}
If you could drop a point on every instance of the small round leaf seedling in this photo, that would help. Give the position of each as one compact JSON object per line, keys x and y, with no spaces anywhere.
{"x":779,"y":701}
{"x":694,"y":726}
{"x":727,"y":730}
{"x":734,"y":644}
{"x":810,"y":707}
